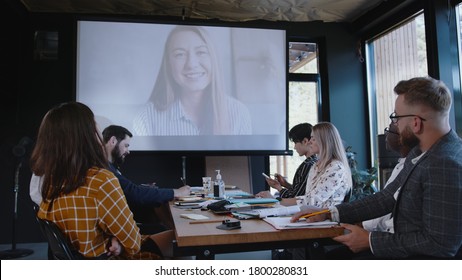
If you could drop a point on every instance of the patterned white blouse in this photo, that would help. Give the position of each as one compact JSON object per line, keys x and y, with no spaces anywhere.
{"x":328,"y":188}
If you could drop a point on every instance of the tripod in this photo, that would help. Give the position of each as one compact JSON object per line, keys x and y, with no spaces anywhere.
{"x":14,"y":252}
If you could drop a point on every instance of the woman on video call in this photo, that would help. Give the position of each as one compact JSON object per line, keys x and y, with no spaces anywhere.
{"x":188,"y":97}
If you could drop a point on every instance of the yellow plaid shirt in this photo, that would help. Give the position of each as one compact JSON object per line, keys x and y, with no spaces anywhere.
{"x":93,"y":213}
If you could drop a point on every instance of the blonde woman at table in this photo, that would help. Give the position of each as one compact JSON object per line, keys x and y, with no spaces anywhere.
{"x":329,"y":179}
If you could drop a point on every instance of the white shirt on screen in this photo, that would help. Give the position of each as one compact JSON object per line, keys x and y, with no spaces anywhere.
{"x":174,"y":121}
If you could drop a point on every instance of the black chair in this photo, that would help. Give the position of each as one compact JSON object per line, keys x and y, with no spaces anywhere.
{"x":58,"y":244}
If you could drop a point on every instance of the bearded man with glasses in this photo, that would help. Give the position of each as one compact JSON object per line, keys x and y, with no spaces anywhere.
{"x":427,"y":212}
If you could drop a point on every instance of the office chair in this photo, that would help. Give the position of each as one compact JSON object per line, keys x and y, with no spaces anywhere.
{"x":57,"y":242}
{"x":58,"y":246}
{"x":348,"y":195}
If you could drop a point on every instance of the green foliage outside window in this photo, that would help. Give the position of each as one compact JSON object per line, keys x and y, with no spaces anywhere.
{"x":363,"y":180}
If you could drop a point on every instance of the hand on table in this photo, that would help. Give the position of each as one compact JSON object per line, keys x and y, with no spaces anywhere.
{"x":308,"y":210}
{"x":183,"y":191}
{"x":264,"y":194}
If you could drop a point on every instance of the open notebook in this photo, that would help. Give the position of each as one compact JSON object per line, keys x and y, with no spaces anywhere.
{"x":257,"y":200}
{"x":268,"y":211}
{"x":284,"y":223}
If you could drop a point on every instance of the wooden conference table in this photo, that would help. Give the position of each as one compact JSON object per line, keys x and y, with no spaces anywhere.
{"x":204,"y":240}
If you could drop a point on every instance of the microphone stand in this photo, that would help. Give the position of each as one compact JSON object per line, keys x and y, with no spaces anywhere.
{"x":14,"y":252}
{"x":183,"y":168}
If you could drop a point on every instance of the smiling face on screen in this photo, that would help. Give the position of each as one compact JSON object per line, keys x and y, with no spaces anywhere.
{"x":190,"y":61}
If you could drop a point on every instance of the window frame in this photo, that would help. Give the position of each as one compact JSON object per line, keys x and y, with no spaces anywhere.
{"x":320,"y":79}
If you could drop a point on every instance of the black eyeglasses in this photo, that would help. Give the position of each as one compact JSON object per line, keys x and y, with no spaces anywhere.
{"x":395,"y":118}
{"x":387,"y":130}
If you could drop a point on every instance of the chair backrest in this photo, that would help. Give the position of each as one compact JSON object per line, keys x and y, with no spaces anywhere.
{"x":60,"y":247}
{"x":348,"y":196}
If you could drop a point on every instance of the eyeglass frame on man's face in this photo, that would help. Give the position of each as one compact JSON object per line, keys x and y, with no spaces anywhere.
{"x":395,"y":118}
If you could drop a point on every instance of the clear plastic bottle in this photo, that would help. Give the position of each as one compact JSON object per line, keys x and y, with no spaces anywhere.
{"x":220,"y":185}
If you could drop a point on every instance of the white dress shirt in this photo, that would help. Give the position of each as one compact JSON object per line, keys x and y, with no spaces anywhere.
{"x":385,"y":223}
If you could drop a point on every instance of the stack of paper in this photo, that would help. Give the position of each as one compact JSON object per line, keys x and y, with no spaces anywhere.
{"x":238,"y":194}
{"x":190,"y":203}
{"x":270,"y":211}
{"x":284,"y":223}
{"x":190,"y":198}
{"x":258,"y":200}
{"x":194,"y":216}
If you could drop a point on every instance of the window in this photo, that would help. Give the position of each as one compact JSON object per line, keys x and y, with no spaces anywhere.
{"x":303,"y":58}
{"x":456,"y":61}
{"x":394,"y":56}
{"x":459,"y":26}
{"x":304,"y":92}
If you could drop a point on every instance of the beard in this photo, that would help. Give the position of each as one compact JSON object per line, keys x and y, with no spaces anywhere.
{"x":117,"y":157}
{"x":408,"y":139}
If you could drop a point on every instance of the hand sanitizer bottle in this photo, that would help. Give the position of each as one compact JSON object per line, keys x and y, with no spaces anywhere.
{"x":220,"y":185}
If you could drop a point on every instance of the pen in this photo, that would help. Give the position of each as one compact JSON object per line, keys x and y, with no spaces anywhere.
{"x":183,"y":180}
{"x":315,"y":213}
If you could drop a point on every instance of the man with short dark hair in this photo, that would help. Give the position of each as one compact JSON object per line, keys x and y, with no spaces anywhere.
{"x":117,"y":142}
{"x":300,"y":135}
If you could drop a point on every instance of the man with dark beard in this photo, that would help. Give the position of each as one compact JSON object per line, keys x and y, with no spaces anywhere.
{"x":140,"y":198}
{"x":117,"y":142}
{"x":427,"y":213}
{"x":393,"y":143}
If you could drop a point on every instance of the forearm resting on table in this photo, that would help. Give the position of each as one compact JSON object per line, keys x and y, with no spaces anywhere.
{"x":183,"y":191}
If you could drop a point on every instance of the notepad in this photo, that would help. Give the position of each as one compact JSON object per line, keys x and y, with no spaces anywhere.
{"x":269,"y":211}
{"x":189,"y":204}
{"x":237,"y":194}
{"x":190,"y":198}
{"x":259,"y":200}
{"x":194,"y":216}
{"x":284,"y":223}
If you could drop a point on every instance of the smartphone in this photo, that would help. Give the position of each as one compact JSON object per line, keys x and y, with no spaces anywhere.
{"x":266,"y":176}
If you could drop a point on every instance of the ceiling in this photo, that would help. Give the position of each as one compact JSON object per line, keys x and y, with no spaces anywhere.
{"x":226,"y":10}
{"x":300,"y":54}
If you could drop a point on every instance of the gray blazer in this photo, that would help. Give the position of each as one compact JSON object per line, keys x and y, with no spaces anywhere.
{"x":428,"y":212}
